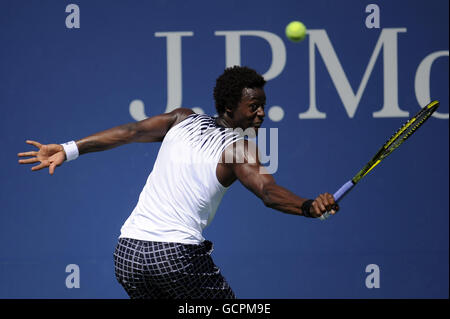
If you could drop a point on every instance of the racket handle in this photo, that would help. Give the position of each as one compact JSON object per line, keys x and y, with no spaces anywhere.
{"x":338,"y":195}
{"x":343,"y":190}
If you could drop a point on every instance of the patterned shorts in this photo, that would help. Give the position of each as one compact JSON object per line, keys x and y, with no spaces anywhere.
{"x":161,"y":270}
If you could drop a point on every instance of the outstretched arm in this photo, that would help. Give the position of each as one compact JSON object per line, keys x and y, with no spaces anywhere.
{"x":152,"y":129}
{"x":149,"y":130}
{"x":255,"y":178}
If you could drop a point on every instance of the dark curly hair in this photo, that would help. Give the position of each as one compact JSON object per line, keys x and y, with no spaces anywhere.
{"x":229,"y":86}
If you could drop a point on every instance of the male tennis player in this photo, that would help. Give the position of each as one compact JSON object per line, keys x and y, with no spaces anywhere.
{"x":161,"y":252}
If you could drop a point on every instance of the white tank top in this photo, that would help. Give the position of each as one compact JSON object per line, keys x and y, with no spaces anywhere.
{"x":182,"y":193}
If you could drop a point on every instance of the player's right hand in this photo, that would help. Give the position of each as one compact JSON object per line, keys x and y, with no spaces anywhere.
{"x":324,"y":203}
{"x":50,"y":155}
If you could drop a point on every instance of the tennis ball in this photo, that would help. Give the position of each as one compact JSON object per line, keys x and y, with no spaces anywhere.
{"x":295,"y":31}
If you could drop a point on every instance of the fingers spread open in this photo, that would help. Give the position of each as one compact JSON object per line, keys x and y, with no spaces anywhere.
{"x":29,"y":160}
{"x":32,"y":153}
{"x":37,"y":144}
{"x":51,"y":169}
{"x":38,"y":167}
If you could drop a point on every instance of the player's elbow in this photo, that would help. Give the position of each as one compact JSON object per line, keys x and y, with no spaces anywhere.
{"x":129,"y":132}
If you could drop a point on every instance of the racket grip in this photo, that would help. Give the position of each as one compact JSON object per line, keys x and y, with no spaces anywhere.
{"x":338,"y":195}
{"x":343,"y":190}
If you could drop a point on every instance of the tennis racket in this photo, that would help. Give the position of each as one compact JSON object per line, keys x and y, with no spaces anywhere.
{"x":393,"y":143}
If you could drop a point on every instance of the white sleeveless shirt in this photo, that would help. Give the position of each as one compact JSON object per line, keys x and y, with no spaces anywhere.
{"x":182,"y":193}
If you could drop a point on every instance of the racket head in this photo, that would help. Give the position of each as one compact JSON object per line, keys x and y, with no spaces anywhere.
{"x":409,"y":128}
{"x":401,"y":135}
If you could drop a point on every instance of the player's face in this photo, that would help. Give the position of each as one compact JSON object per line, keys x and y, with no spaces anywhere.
{"x":250,"y":110}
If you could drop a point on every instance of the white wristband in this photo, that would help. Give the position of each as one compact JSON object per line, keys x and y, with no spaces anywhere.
{"x":71,"y":150}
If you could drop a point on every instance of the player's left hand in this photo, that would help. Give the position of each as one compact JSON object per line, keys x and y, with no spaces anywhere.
{"x":51,"y":156}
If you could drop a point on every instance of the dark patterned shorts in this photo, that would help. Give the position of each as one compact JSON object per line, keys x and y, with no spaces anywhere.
{"x":160,"y":270}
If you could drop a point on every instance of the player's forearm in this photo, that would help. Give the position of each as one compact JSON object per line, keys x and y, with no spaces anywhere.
{"x":108,"y":139}
{"x":281,"y":199}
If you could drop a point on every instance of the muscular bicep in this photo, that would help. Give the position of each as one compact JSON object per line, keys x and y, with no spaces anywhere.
{"x":155,"y":128}
{"x":251,"y":177}
{"x":248,"y":169}
{"x":255,"y":177}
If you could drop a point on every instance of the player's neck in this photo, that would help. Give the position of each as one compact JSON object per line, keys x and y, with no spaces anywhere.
{"x":225,"y":121}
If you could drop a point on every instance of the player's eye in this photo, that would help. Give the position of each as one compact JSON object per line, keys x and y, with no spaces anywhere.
{"x":255,"y":107}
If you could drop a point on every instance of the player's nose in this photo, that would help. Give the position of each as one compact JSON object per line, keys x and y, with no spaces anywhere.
{"x":261,"y":113}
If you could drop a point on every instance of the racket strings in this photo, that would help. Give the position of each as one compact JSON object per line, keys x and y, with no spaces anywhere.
{"x":407,"y":130}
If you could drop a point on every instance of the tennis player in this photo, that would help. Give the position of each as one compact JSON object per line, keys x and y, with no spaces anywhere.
{"x":161,"y":252}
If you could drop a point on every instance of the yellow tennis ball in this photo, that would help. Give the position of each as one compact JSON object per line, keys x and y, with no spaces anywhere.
{"x":295,"y":31}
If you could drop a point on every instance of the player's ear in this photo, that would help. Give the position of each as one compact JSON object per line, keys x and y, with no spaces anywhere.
{"x":229,"y":111}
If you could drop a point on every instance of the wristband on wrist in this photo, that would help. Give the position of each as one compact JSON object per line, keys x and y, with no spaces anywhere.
{"x":306,"y":207}
{"x":71,"y":150}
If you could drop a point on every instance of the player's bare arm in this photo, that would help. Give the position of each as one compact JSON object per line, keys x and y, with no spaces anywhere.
{"x":149,"y":130}
{"x":246,"y":167}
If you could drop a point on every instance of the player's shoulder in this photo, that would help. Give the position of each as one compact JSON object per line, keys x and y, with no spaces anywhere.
{"x":242,"y":151}
{"x":180,"y":114}
{"x":183,"y":112}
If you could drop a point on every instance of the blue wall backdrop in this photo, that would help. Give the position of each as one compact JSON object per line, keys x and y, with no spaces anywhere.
{"x":343,"y":91}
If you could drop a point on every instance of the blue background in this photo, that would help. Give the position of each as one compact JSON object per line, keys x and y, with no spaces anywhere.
{"x":60,"y":84}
